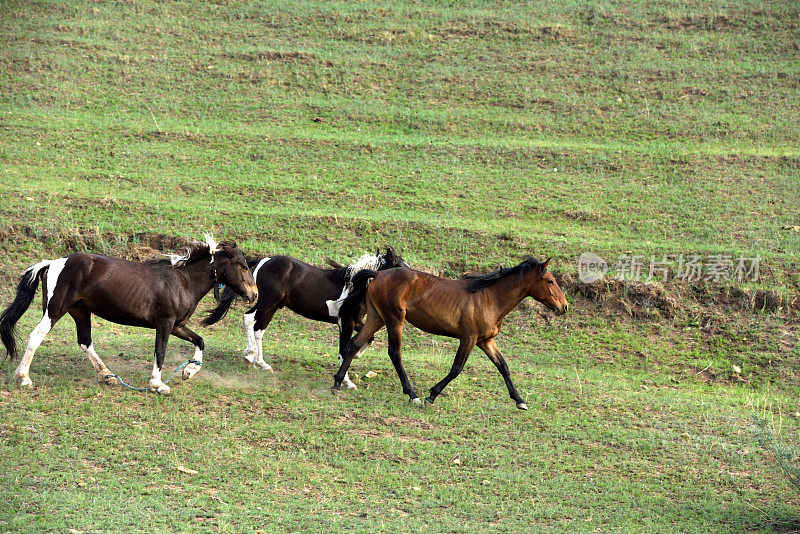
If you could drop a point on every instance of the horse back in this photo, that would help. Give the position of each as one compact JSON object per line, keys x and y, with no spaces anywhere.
{"x":431,"y":303}
{"x":116,"y":289}
{"x":299,"y":286}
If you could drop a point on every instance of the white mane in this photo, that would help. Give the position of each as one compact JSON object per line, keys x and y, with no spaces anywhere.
{"x":213,"y":245}
{"x":367,"y":261}
{"x":176,"y":259}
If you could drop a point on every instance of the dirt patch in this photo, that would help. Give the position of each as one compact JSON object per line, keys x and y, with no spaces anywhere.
{"x":269,"y":55}
{"x":708,"y":304}
{"x":134,"y":246}
{"x":633,"y":299}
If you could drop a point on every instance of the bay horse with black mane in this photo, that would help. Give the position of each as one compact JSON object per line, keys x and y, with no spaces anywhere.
{"x":158,"y":294}
{"x":307,"y":290}
{"x":470,"y":309}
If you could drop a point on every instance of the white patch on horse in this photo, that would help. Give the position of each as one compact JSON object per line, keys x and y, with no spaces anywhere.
{"x":56,"y":266}
{"x":251,"y":351}
{"x":213,"y":245}
{"x":259,"y":360}
{"x":335,"y":305}
{"x":260,"y":264}
{"x":191,"y":368}
{"x":33,"y":270}
{"x":367,"y":261}
{"x":37,"y":336}
{"x":175,"y":259}
{"x":347,"y":382}
{"x":156,"y":384}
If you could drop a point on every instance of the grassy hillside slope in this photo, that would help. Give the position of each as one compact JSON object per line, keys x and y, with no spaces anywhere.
{"x":466,"y":136}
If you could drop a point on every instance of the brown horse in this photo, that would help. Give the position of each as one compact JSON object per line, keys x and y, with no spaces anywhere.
{"x":470,"y":310}
{"x":160,"y":294}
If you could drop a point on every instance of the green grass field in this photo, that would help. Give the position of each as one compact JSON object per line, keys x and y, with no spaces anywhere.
{"x":466,"y":135}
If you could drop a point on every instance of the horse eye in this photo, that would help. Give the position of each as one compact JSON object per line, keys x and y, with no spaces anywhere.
{"x":550,"y":282}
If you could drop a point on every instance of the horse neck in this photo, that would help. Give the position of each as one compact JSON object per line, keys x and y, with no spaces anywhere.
{"x":198,"y":275}
{"x":508,"y":292}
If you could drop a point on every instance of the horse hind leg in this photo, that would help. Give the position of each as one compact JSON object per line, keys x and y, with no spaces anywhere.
{"x":36,"y":338}
{"x":395,"y":354}
{"x":83,"y":326}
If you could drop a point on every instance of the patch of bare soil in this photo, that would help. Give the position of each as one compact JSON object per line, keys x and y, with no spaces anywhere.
{"x":133,"y":246}
{"x":708,"y":303}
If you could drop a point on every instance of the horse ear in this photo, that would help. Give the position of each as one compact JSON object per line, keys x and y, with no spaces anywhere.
{"x":543,"y":266}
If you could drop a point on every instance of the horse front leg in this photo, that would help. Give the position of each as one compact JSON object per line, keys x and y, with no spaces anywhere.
{"x":490,"y":348}
{"x":355,"y":347}
{"x":255,"y":323}
{"x":395,"y":354}
{"x":191,"y":368}
{"x":163,"y":330}
{"x":464,"y":349}
{"x":345,"y":331}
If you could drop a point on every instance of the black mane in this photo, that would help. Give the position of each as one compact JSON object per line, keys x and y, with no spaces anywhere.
{"x":338,"y":275}
{"x":481,"y":281}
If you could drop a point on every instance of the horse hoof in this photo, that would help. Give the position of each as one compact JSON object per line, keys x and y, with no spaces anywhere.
{"x":334,"y":390}
{"x":26,"y":382}
{"x":189,"y":371}
{"x":522,"y":406}
{"x":161,"y":389}
{"x":415,"y":400}
{"x":350,"y":385}
{"x":428,"y":401}
{"x":108,"y":379}
{"x":264,"y":366}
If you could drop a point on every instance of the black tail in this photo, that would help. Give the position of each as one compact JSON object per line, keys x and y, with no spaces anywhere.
{"x":350,"y":306}
{"x":225,"y":302}
{"x":26,"y":290}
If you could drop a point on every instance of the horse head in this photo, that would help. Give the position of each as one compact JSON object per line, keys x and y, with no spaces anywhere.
{"x":545,"y":289}
{"x":390,"y":259}
{"x":230,"y":267}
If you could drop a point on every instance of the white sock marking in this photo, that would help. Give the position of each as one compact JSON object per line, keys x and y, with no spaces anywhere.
{"x":36,"y":338}
{"x":250,"y":351}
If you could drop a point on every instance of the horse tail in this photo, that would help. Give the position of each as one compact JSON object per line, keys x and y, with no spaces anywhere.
{"x":26,"y":291}
{"x":360,"y":281}
{"x":225,"y":302}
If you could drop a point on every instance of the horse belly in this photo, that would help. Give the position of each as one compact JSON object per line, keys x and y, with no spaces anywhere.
{"x":124,"y":307}
{"x":432,"y":324}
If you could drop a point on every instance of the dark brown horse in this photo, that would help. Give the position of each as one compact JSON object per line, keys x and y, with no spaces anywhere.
{"x":159,"y":294}
{"x":470,"y":310}
{"x":305,"y":289}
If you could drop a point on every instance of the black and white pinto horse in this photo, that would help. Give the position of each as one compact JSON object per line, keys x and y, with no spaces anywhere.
{"x":307,"y":290}
{"x":158,"y":294}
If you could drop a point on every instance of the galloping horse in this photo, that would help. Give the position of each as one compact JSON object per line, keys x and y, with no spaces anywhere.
{"x":470,"y":310}
{"x":309,"y":291}
{"x":159,"y":294}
